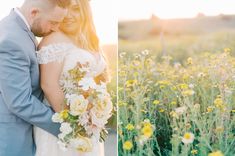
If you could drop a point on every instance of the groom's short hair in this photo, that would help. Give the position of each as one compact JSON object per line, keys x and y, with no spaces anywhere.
{"x":48,"y":4}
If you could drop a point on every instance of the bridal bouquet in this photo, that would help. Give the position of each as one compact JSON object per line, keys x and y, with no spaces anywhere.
{"x":89,"y":107}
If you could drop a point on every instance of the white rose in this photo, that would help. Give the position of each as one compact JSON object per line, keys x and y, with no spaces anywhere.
{"x":86,"y":83}
{"x":78,"y":105}
{"x":82,"y":144}
{"x":62,"y":146}
{"x":98,"y":118}
{"x":66,"y":128}
{"x":61,"y":136}
{"x":104,"y":104}
{"x":101,"y":88}
{"x":57,"y":118}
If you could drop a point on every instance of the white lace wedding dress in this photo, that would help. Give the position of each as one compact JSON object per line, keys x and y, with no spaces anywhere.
{"x":46,"y":143}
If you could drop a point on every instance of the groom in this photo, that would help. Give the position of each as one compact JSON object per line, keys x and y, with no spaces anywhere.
{"x":20,"y":93}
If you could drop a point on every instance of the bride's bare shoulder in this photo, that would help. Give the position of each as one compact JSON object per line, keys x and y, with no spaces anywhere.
{"x":54,"y":38}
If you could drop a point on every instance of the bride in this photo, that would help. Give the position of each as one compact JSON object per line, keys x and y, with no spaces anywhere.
{"x":76,"y":41}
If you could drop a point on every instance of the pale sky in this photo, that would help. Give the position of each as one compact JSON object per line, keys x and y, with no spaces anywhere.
{"x":104,"y":13}
{"x":143,"y":9}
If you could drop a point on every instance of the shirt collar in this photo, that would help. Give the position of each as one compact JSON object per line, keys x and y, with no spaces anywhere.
{"x":22,"y":17}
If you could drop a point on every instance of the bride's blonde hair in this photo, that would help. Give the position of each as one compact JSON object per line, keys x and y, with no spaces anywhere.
{"x":86,"y":36}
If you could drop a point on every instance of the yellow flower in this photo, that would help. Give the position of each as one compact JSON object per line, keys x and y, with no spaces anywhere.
{"x":188,"y":92}
{"x":188,"y":138}
{"x":161,"y":110}
{"x":156,"y":102}
{"x":173,"y":103}
{"x":174,"y":88}
{"x":233,"y":110}
{"x":183,"y":86}
{"x":218,"y":102}
{"x":189,"y":61}
{"x":130,"y":127}
{"x":219,"y":129}
{"x":217,"y":153}
{"x":163,"y":82}
{"x":174,"y":114}
{"x":227,"y":50}
{"x":127,"y":145}
{"x":64,"y":114}
{"x":194,"y":152}
{"x":147,"y":131}
{"x":130,"y":83}
{"x":209,"y":109}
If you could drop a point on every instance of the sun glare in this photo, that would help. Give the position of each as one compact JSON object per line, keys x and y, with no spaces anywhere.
{"x":105,"y":20}
{"x":143,"y":9}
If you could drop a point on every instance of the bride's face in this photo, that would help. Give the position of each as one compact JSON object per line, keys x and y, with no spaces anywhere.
{"x":71,"y":22}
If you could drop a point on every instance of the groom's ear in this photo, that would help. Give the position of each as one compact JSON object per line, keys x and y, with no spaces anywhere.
{"x":34,"y":12}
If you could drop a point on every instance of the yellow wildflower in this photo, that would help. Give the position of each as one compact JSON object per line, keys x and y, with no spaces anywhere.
{"x":156,"y":102}
{"x":188,"y":138}
{"x":161,"y":110}
{"x":173,"y":103}
{"x":183,"y":86}
{"x":147,"y":131}
{"x":127,"y":145}
{"x":194,"y":152}
{"x":217,"y":153}
{"x":130,"y":127}
{"x":64,"y":114}
{"x":189,"y":61}
{"x":209,"y":109}
{"x":174,"y":114}
{"x":218,"y":102}
{"x":188,"y":92}
{"x":163,"y":82}
{"x":130,"y":83}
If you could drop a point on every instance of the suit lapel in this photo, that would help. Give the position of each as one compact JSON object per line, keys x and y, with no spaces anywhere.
{"x":32,"y":37}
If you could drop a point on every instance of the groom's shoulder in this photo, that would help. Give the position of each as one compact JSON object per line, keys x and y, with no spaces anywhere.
{"x":10,"y":32}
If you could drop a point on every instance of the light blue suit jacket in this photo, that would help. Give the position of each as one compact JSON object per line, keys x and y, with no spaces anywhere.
{"x":20,"y":92}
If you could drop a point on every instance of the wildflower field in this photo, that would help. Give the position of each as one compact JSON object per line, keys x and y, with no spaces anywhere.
{"x":177,"y":98}
{"x":177,"y":106}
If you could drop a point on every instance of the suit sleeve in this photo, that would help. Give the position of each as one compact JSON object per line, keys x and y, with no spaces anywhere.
{"x":16,"y":90}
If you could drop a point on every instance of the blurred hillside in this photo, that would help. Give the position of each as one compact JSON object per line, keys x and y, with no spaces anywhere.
{"x":130,"y":30}
{"x":179,"y":38}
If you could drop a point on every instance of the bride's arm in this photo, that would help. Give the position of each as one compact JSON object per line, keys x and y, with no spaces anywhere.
{"x":50,"y":76}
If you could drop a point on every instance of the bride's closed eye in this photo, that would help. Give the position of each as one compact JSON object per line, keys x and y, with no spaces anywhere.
{"x":75,"y":8}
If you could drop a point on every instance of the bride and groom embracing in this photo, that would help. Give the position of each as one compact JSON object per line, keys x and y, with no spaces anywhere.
{"x":41,"y":109}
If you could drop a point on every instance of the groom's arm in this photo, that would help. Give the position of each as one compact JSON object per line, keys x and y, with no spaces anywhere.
{"x":16,"y":90}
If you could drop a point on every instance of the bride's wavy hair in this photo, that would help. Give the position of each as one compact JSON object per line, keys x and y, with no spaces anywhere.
{"x":87,"y":37}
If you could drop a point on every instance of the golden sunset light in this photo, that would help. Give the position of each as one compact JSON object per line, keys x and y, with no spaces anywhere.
{"x":166,"y":9}
{"x":105,"y":20}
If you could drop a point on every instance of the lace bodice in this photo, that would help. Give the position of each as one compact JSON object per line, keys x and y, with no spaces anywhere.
{"x":71,"y":55}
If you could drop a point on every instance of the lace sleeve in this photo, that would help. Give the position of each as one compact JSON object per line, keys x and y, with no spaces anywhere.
{"x":53,"y":53}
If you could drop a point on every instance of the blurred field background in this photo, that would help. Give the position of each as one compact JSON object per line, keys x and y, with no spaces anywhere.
{"x":171,"y":77}
{"x":179,"y":38}
{"x":110,"y":53}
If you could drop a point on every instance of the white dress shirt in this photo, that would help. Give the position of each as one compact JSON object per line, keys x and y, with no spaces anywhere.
{"x":22,"y":17}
